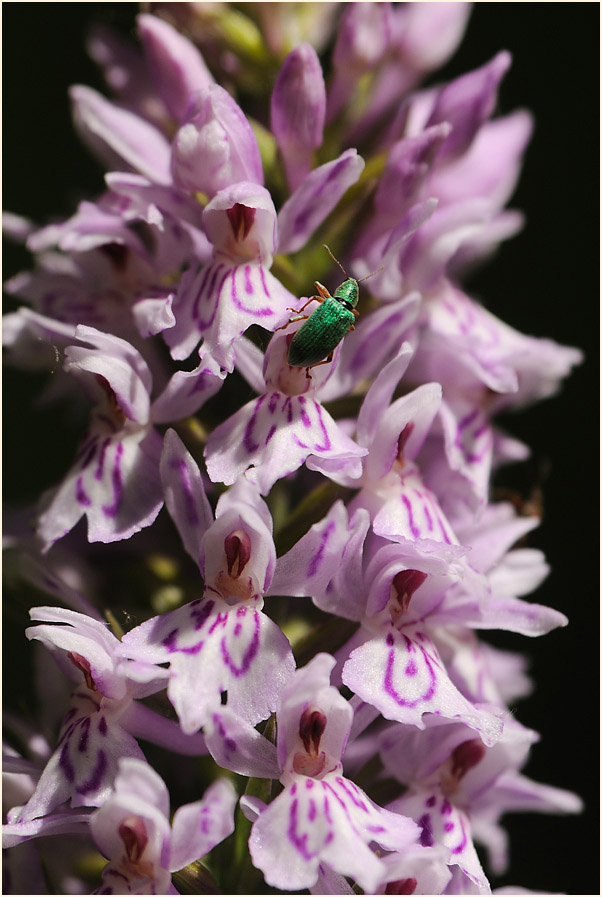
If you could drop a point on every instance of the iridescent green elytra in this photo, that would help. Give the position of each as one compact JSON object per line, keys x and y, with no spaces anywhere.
{"x":316,"y":340}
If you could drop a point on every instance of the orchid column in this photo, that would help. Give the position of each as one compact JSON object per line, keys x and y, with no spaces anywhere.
{"x":272,"y":583}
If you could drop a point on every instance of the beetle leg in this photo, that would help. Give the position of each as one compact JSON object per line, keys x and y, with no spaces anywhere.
{"x":319,"y":299}
{"x":326,"y":361}
{"x":292,"y":320}
{"x":355,"y":312}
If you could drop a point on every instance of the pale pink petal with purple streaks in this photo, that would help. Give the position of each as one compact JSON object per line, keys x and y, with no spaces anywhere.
{"x":402,"y":674}
{"x":276,"y":437}
{"x":327,"y":821}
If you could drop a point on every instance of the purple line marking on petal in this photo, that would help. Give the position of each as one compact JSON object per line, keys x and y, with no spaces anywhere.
{"x":271,"y":432}
{"x":329,"y":837}
{"x":169,"y":641}
{"x":413,"y":528}
{"x":317,"y":558}
{"x":449,"y":826}
{"x":82,"y":744}
{"x":288,"y":407}
{"x":411,"y":669}
{"x":179,"y":465}
{"x":427,"y":514}
{"x":304,"y":415}
{"x":248,"y":281}
{"x":273,"y":402}
{"x":446,"y":807}
{"x":426,"y":835}
{"x":263,"y":282}
{"x":298,"y":442}
{"x":210,"y":271}
{"x":431,"y":801}
{"x":293,"y":789}
{"x":464,"y":423}
{"x":229,"y":743}
{"x":463,"y":842}
{"x":214,"y":295}
{"x":80,"y":494}
{"x":102,"y":725}
{"x":390,"y":639}
{"x":250,"y":445}
{"x":327,"y":444}
{"x":101,"y":459}
{"x":97,"y":776}
{"x":117,"y":481}
{"x":388,"y":680}
{"x":481,"y":430}
{"x":199,"y":614}
{"x":446,"y":536}
{"x":348,"y":787}
{"x":344,"y":807}
{"x":256,"y":312}
{"x":298,"y":842}
{"x":65,"y":763}
{"x":237,"y":629}
{"x":220,"y":621}
{"x":249,"y":654}
{"x":313,"y":811}
{"x":309,"y":784}
{"x":193,"y":649}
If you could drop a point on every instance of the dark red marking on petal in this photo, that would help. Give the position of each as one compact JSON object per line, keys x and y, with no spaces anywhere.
{"x":465,"y":756}
{"x":401,"y":886}
{"x":82,"y":664}
{"x":403,"y":438}
{"x":405,"y":584}
{"x":311,"y":728}
{"x":241,"y":220}
{"x":237,"y":545}
{"x":132,"y":832}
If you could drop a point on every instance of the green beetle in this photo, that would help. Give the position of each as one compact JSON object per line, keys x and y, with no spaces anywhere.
{"x":315,"y":341}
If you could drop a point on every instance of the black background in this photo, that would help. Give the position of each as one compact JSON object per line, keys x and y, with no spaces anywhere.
{"x":543,"y":282}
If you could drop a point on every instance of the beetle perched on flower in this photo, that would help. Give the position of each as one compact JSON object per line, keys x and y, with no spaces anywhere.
{"x":315,"y":341}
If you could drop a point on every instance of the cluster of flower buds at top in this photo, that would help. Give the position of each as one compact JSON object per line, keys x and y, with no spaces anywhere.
{"x":282,"y":503}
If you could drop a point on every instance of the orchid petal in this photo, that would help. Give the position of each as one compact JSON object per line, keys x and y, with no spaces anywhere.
{"x":119,"y":137}
{"x":315,"y":198}
{"x":403,"y":676}
{"x":199,"y":826}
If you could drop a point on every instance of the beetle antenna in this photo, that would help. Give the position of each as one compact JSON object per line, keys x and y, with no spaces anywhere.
{"x":335,"y":260}
{"x":368,"y":276}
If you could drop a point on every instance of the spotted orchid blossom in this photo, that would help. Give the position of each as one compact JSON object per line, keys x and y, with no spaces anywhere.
{"x":406,"y":603}
{"x":391,"y":662}
{"x":222,"y":641}
{"x":320,"y":818}
{"x":115,"y":479}
{"x":286,"y":426}
{"x":453,"y":780}
{"x":133,"y":830}
{"x":219,"y":301}
{"x":104,"y":718}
